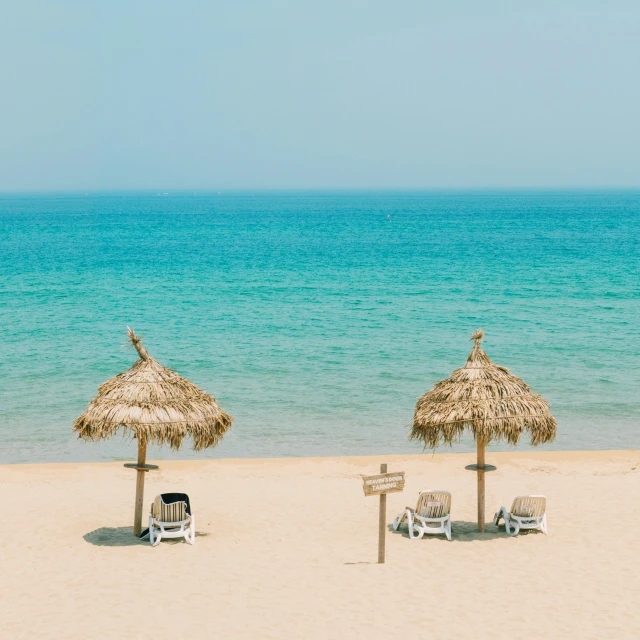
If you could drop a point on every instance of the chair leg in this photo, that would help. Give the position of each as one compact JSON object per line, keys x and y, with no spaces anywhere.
{"x":415,"y":533}
{"x":158,"y":535}
{"x":544,"y":524}
{"x":512,"y":527}
{"x":447,"y":528}
{"x":412,"y":529}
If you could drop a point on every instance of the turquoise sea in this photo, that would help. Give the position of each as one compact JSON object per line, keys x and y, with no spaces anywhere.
{"x":317,"y":319}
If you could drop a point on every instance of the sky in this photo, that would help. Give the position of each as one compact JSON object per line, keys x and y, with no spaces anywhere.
{"x":279,"y":94}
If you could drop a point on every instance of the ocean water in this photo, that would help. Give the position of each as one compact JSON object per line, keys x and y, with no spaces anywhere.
{"x":318,"y":319}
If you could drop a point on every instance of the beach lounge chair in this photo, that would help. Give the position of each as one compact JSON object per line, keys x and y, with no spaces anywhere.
{"x":527,"y":512}
{"x":432,"y":515}
{"x":171,"y":517}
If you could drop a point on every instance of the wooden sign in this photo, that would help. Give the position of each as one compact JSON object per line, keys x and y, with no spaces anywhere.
{"x":380,"y":485}
{"x":383,"y":483}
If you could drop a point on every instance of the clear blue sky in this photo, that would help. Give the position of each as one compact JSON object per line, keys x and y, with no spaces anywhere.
{"x":299,"y":94}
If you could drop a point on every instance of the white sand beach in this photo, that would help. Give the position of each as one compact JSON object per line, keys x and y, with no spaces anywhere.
{"x":286,"y":548}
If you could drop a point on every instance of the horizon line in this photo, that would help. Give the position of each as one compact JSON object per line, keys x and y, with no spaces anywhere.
{"x":167,"y":192}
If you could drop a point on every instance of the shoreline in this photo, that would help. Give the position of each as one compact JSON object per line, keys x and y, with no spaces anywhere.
{"x":502,"y":456}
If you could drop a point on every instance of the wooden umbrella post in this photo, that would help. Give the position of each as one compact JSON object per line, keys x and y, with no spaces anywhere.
{"x":480,"y":468}
{"x":140,"y":471}
{"x":481,"y":472}
{"x":141,"y":468}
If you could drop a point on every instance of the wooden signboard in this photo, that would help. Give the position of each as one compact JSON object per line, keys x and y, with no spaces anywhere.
{"x":380,"y":485}
{"x":383,"y":483}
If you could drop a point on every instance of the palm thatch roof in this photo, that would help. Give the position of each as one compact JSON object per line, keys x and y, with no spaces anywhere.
{"x":485,"y":398}
{"x":153,"y":404}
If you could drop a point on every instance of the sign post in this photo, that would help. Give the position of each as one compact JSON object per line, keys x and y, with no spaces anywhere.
{"x":380,"y":486}
{"x":382,"y":521}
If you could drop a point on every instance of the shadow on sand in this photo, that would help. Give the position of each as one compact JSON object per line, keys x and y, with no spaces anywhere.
{"x":123,"y":537}
{"x":463,"y":531}
{"x":114,"y":537}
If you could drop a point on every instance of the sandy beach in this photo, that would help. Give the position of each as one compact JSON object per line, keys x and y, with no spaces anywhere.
{"x":286,"y":548}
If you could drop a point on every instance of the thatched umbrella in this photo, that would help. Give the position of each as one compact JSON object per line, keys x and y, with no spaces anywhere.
{"x":487,"y":400}
{"x":152,"y":404}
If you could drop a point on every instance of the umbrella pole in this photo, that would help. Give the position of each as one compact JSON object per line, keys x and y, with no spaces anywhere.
{"x":137,"y":517}
{"x":481,"y":471}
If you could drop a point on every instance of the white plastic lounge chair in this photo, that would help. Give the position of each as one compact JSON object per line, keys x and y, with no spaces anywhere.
{"x":432,"y":515}
{"x":527,"y":512}
{"x":171,"y":518}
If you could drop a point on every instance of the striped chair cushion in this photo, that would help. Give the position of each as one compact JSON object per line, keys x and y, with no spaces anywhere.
{"x":175,"y":512}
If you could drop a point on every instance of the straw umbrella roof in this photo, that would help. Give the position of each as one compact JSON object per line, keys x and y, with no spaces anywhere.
{"x":153,"y":404}
{"x":485,"y":398}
